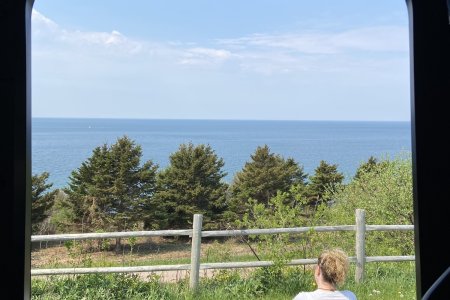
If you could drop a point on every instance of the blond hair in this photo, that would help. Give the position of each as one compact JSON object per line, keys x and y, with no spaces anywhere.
{"x":334,"y":265}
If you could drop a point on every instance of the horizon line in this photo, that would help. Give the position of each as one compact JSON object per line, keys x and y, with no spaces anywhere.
{"x":219,"y":119}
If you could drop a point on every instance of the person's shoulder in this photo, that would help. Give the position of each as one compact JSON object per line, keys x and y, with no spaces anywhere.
{"x":302,"y":296}
{"x":349,"y":294}
{"x":299,"y":296}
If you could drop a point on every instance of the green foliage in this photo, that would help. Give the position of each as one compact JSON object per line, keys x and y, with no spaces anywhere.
{"x":366,"y":167}
{"x":78,"y":253}
{"x":385,"y":193}
{"x":383,"y":281}
{"x":272,"y":282}
{"x":217,"y":252}
{"x":261,"y":178}
{"x":111,"y":190}
{"x":192,"y":184}
{"x":234,"y":285}
{"x":62,"y":214}
{"x":101,"y":287}
{"x":325,"y":181}
{"x":383,"y":189}
{"x":278,"y":213}
{"x":42,"y":200}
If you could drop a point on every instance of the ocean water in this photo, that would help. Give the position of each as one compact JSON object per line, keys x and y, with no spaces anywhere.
{"x":59,"y":146}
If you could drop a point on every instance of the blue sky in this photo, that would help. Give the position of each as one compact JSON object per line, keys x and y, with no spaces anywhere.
{"x":211,"y":59}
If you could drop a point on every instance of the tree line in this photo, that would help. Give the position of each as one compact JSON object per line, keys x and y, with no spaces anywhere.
{"x":113,"y":190}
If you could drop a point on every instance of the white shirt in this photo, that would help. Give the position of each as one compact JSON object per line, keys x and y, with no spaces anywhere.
{"x":325,"y":295}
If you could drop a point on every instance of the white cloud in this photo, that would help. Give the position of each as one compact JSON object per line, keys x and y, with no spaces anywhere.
{"x":321,"y":51}
{"x":108,"y":40}
{"x":44,"y":29}
{"x":306,"y":43}
{"x":41,"y":25}
{"x":261,"y":53}
{"x":112,"y":73}
{"x":41,"y":20}
{"x":380,"y":39}
{"x":195,"y":56}
{"x":307,"y":51}
{"x":212,"y":53}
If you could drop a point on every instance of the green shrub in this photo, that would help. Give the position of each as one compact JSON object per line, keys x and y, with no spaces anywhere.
{"x":385,"y":193}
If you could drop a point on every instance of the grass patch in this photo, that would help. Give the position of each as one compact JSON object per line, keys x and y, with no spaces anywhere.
{"x":383,"y":281}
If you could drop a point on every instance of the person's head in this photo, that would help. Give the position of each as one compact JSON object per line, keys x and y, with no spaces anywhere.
{"x":332,"y":267}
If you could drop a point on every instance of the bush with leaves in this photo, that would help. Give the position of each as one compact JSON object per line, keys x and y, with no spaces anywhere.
{"x":101,"y":286}
{"x":279,"y":213}
{"x":62,"y":215}
{"x":385,"y":193}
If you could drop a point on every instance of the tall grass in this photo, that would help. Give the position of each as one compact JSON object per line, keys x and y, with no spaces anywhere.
{"x":382,"y":281}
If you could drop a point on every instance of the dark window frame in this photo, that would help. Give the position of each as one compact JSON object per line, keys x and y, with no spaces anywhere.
{"x":430,"y":90}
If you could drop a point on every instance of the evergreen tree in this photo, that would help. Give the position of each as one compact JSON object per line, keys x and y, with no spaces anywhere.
{"x":368,"y":166}
{"x":41,"y":200}
{"x":325,"y":181}
{"x":192,"y":183}
{"x":261,"y":178}
{"x":111,"y":190}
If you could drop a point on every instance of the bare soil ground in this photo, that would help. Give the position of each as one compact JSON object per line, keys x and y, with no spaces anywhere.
{"x":56,"y":255}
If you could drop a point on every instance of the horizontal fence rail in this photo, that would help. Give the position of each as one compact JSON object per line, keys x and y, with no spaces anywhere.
{"x":204,"y":266}
{"x":213,"y":233}
{"x":108,"y":235}
{"x":196,"y":234}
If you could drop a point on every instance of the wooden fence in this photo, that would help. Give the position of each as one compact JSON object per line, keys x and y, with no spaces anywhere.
{"x":196,"y":235}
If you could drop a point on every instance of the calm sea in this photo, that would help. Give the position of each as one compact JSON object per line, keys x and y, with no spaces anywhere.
{"x":61,"y":145}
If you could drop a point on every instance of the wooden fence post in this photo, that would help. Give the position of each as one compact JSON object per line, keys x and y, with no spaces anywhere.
{"x":360,"y":245}
{"x":195,"y":251}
